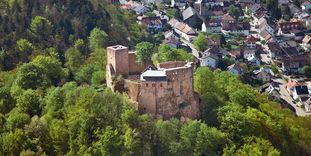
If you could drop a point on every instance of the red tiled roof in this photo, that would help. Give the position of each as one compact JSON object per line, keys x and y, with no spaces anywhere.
{"x":291,"y":84}
{"x":290,"y":25}
{"x":152,"y":20}
{"x":251,"y":39}
{"x":227,"y":17}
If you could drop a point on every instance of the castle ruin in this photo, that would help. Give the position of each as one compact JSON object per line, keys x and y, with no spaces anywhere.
{"x":166,"y":91}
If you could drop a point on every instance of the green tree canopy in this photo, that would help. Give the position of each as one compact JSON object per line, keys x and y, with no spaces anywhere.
{"x":144,"y":52}
{"x":41,"y":27}
{"x":306,"y":70}
{"x":29,"y":102}
{"x":31,"y":76}
{"x":201,"y":42}
{"x":166,"y":53}
{"x":74,"y":59}
{"x":234,"y":11}
{"x":257,"y":147}
{"x":97,"y":38}
{"x":52,"y":68}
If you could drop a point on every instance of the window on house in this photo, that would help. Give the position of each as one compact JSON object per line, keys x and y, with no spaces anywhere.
{"x":153,"y":85}
{"x":146,"y":84}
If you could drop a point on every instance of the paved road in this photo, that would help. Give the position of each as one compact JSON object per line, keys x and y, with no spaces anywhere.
{"x":195,"y":52}
{"x":285,"y":96}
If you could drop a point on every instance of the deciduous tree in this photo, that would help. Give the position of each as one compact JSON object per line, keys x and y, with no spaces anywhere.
{"x":97,"y":39}
{"x":144,"y":52}
{"x":200,"y":42}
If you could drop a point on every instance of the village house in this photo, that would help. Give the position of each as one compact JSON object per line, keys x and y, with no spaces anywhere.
{"x":307,"y":105}
{"x":214,"y":42}
{"x":212,"y":26}
{"x":236,"y":29}
{"x":141,"y":9}
{"x":152,"y":2}
{"x":251,"y":42}
{"x":247,"y":53}
{"x":128,"y":5}
{"x":245,"y":3}
{"x":306,"y":42}
{"x":290,"y":86}
{"x":182,"y":29}
{"x":301,"y":93}
{"x":263,"y":74}
{"x":215,"y":13}
{"x":273,"y":93}
{"x":191,"y":18}
{"x":201,"y":8}
{"x":294,"y":64}
{"x":297,"y":35}
{"x":286,"y":27}
{"x":227,"y":19}
{"x":164,"y":18}
{"x":178,"y":3}
{"x":307,"y":22}
{"x":306,"y":5}
{"x":294,"y":10}
{"x":275,"y":51}
{"x":153,"y":24}
{"x":230,"y":25}
{"x":165,"y":92}
{"x":289,"y":44}
{"x":257,"y":11}
{"x":301,"y":16}
{"x":272,"y":89}
{"x":171,"y":39}
{"x":209,"y":60}
{"x":254,"y":60}
{"x":235,"y":53}
{"x":287,"y":54}
{"x":265,"y":30}
{"x":305,"y":19}
{"x":235,"y":69}
{"x":213,"y":3}
{"x":215,"y":50}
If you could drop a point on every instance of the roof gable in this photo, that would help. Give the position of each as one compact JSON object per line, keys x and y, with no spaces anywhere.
{"x":189,"y":12}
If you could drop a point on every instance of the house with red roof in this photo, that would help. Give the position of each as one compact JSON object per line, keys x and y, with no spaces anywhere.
{"x":183,"y":29}
{"x":251,"y":42}
{"x":286,"y":27}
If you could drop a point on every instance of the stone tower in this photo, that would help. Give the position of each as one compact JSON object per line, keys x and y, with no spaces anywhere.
{"x":117,"y":56}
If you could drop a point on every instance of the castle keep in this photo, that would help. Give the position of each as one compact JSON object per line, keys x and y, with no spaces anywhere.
{"x":166,"y":91}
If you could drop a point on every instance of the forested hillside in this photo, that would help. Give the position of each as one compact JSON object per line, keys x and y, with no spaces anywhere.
{"x":58,"y":24}
{"x":53,"y":99}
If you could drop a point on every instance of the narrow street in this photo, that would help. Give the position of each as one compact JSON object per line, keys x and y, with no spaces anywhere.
{"x":195,"y":52}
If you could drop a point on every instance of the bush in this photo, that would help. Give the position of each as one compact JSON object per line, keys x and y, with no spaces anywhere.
{"x":306,"y":71}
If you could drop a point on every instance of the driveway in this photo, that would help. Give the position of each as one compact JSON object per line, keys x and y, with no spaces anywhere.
{"x":285,"y":96}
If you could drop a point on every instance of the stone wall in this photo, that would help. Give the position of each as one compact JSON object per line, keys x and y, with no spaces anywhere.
{"x":134,"y":67}
{"x":171,"y":64}
{"x":166,"y":98}
{"x":132,"y":89}
{"x":147,"y":101}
